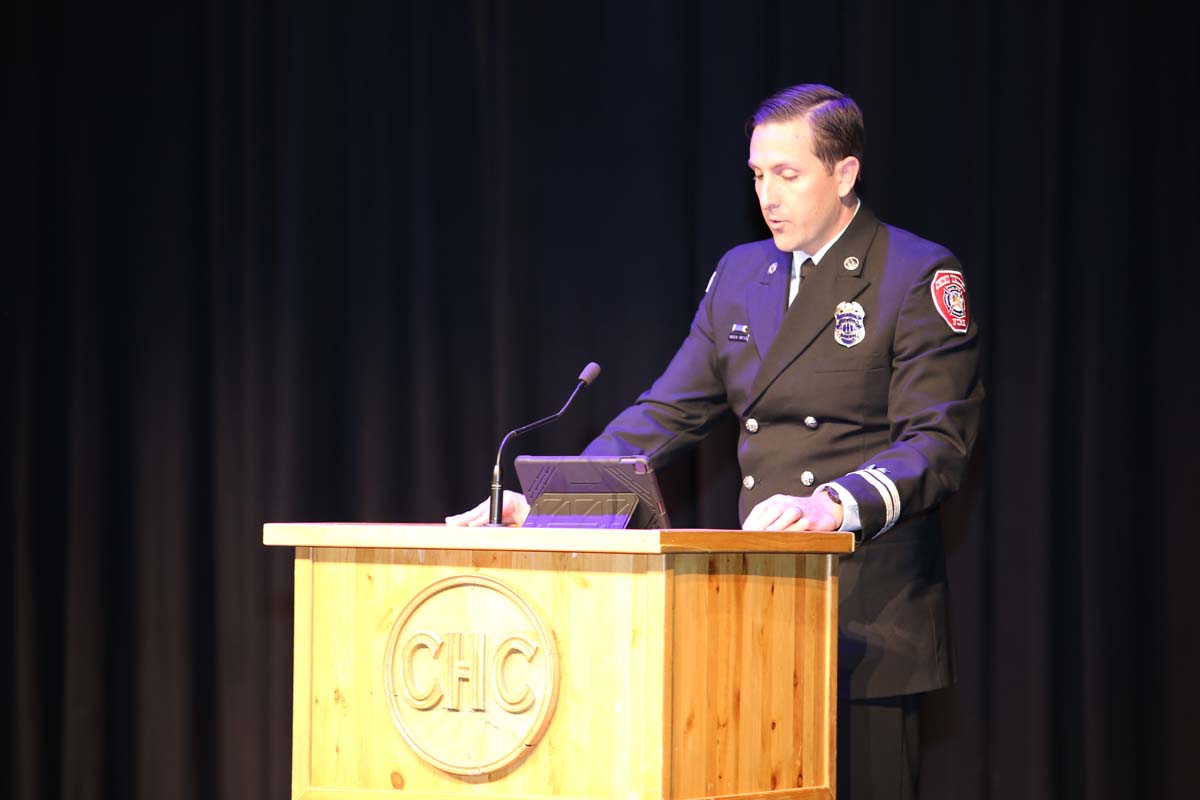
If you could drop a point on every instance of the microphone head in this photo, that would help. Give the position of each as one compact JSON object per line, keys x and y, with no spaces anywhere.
{"x":590,"y":373}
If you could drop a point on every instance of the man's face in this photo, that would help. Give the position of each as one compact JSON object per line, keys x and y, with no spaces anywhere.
{"x":803,"y":204}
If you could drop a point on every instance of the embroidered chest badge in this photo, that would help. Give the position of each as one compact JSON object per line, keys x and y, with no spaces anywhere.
{"x":848,"y":327}
{"x":950,"y":298}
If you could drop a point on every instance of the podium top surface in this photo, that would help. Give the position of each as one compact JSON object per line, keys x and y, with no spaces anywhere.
{"x":562,"y":540}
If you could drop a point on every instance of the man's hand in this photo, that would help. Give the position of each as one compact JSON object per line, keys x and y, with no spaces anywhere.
{"x":783,"y":512}
{"x":514,"y":512}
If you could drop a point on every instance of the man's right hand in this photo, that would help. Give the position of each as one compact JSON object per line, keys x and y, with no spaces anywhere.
{"x":514,"y":512}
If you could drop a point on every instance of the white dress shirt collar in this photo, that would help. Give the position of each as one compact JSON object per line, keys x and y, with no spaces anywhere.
{"x":799,"y":256}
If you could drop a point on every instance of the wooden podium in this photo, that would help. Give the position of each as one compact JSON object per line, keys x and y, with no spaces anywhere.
{"x":436,"y":662}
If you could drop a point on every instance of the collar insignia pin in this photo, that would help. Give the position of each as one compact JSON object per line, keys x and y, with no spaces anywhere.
{"x":850,"y":264}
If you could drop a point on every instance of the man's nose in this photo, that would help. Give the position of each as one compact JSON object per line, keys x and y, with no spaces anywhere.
{"x":766,"y":193}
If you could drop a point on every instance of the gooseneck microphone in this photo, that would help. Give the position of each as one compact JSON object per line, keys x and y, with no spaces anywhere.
{"x":496,"y":507}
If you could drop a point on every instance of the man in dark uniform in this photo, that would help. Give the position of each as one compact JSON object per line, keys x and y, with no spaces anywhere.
{"x":846,"y":350}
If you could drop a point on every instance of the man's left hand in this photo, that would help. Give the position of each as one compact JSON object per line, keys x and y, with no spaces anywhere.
{"x":783,"y":512}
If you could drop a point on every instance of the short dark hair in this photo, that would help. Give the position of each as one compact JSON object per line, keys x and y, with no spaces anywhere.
{"x":835,"y":119}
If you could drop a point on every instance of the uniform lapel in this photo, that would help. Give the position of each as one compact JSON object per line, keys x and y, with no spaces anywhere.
{"x":812,"y":312}
{"x":766,"y":298}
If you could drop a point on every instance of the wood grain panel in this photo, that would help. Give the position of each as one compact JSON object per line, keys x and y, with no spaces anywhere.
{"x":605,"y":612}
{"x":751,"y":675}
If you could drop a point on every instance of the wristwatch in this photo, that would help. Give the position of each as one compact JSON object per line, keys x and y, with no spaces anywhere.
{"x":833,"y":495}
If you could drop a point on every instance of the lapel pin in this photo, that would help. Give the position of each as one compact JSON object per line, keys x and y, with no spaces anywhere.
{"x":850,"y":264}
{"x":739,"y":332}
{"x":771,"y":269}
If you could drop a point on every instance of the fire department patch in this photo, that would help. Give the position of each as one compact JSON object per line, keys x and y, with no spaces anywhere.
{"x":950,"y":298}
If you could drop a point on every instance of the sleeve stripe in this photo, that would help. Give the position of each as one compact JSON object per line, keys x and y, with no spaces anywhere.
{"x":888,"y":507}
{"x":891,"y":487}
{"x":887,"y":491}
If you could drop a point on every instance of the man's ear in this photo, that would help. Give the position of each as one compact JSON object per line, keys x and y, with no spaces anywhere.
{"x":847,"y":175}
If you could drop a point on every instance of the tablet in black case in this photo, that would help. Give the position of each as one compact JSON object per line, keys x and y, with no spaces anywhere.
{"x":591,"y":492}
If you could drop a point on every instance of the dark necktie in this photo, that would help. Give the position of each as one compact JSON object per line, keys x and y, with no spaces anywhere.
{"x":805,"y":268}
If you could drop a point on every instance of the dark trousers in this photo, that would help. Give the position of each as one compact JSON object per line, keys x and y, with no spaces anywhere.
{"x":878,"y":748}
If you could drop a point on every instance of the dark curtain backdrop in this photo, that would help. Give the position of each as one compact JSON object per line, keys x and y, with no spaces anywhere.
{"x":271,"y":261}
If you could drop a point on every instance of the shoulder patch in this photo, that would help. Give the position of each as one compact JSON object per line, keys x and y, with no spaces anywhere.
{"x":950,"y":298}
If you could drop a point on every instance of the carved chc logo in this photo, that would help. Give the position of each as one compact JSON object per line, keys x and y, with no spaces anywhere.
{"x":471,"y":674}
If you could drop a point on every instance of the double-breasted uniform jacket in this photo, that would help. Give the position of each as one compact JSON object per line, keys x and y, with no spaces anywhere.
{"x":890,"y":419}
